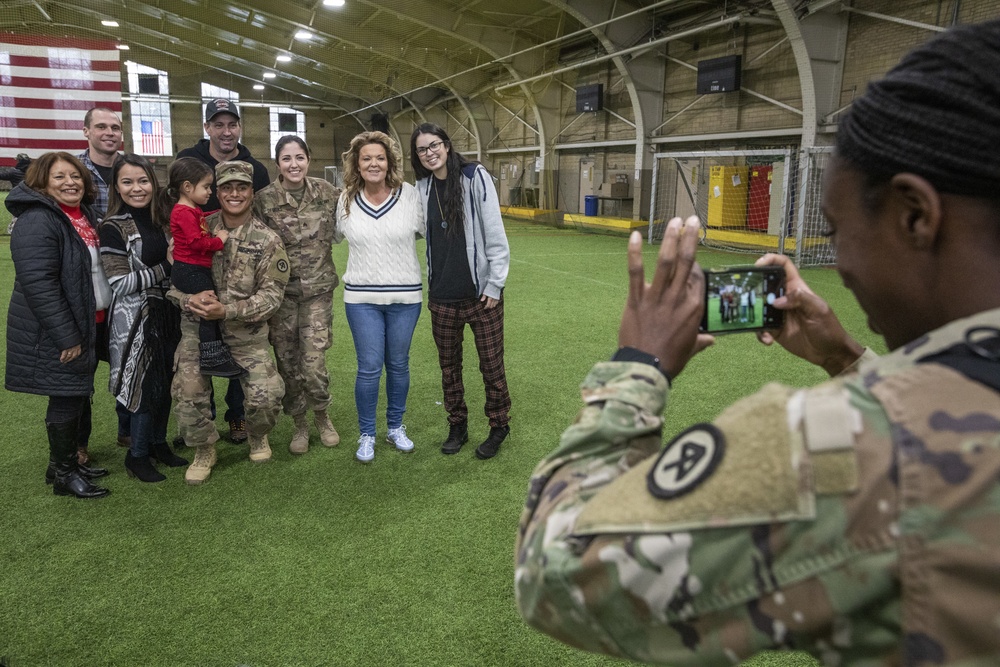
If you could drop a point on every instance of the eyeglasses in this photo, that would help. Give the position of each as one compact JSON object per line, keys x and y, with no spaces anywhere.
{"x":433,"y":146}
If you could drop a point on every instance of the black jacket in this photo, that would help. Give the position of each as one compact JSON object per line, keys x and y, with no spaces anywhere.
{"x":52,"y":307}
{"x":261,"y":179}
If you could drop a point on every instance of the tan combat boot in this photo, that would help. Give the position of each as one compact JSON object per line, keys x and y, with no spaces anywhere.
{"x":201,"y":467}
{"x":300,"y":440}
{"x":327,"y":433}
{"x":260,"y":449}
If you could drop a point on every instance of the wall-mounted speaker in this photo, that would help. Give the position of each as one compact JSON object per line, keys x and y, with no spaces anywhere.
{"x":380,"y":122}
{"x":590,"y":98}
{"x":719,"y":75}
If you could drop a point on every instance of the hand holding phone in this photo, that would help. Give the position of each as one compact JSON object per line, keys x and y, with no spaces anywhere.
{"x":742,"y":299}
{"x":811,"y":329}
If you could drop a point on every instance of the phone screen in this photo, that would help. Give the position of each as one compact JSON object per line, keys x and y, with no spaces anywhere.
{"x":740,"y":299}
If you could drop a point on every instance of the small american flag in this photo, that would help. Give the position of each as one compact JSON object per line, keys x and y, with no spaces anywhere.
{"x":47,"y":84}
{"x":152,"y":137}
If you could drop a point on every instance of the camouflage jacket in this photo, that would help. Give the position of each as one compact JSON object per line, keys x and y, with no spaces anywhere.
{"x":307,"y":229}
{"x":858,"y":520}
{"x":250,"y":274}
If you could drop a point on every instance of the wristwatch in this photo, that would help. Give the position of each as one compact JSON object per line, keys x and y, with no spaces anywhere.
{"x":633,"y":354}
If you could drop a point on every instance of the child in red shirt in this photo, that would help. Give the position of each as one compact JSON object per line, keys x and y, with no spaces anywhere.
{"x":189,"y":187}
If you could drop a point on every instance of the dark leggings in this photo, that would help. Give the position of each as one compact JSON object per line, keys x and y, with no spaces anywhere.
{"x":192,"y":279}
{"x":64,"y":409}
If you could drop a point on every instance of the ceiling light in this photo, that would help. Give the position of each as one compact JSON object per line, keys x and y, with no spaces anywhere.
{"x":304,"y":35}
{"x":258,"y":86}
{"x":333,"y":3}
{"x":109,"y":24}
{"x":269,"y":75}
{"x":284,"y":59}
{"x":123,"y":47}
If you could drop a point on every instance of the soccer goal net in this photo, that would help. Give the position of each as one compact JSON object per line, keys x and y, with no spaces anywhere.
{"x":750,"y":201}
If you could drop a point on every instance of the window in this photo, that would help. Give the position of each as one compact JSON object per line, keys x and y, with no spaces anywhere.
{"x":286,"y":121}
{"x":210,"y":92}
{"x":149,"y":105}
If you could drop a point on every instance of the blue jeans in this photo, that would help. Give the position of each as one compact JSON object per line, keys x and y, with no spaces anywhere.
{"x":382,"y":335}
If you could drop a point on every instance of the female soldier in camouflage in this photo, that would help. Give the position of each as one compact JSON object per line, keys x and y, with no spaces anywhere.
{"x":301,"y":210}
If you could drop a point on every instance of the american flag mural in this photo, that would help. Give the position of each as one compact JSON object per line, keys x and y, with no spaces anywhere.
{"x":47,"y":84}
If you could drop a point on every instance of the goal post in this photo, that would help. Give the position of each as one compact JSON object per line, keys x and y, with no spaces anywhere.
{"x":753,"y":201}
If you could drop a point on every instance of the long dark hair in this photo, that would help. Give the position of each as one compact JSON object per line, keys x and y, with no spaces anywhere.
{"x":161,"y":218}
{"x":453,"y":197}
{"x":189,"y":169}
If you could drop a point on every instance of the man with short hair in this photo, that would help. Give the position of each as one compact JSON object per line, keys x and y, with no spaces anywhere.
{"x":103,"y":129}
{"x":250,"y":275}
{"x":223,"y":127}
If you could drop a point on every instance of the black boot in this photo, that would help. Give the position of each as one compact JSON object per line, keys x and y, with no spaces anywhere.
{"x":491,"y":445}
{"x":85,"y":471}
{"x":458,"y":435}
{"x":141,"y":468}
{"x":62,"y":454}
{"x":215,"y":359}
{"x":161,"y":452}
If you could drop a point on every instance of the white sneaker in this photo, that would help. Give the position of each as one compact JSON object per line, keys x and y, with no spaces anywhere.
{"x":397,"y":436}
{"x":366,"y":448}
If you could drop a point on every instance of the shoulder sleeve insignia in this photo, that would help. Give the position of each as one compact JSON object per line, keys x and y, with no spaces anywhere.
{"x":283,"y":265}
{"x":686,"y":461}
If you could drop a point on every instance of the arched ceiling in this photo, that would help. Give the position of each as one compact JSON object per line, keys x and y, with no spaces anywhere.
{"x":369,"y":54}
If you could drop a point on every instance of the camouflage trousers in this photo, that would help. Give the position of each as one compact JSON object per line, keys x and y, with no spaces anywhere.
{"x":191,"y":391}
{"x":301,"y":333}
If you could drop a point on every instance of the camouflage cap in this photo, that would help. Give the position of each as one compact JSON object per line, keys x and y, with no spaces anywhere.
{"x":234,"y":170}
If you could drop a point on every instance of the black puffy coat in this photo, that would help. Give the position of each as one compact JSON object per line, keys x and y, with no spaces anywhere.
{"x":52,"y":307}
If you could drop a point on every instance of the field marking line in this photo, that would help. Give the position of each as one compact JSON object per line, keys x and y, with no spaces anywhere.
{"x":571,"y":275}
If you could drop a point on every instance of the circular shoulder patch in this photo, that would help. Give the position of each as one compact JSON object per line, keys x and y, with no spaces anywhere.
{"x":686,"y":461}
{"x":283,"y":265}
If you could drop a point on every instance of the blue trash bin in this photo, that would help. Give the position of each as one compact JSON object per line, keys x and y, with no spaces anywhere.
{"x":590,"y":205}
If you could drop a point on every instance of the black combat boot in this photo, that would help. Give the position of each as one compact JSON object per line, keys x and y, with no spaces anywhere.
{"x":62,"y":454}
{"x":458,"y":435}
{"x":216,"y":360}
{"x":491,"y":445}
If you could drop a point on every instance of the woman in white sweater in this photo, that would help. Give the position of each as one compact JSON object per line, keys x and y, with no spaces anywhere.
{"x":380,"y":217}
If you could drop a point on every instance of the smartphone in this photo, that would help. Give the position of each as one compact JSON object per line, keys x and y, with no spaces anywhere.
{"x":740,"y":299}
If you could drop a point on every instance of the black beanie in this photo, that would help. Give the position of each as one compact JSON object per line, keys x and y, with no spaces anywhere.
{"x":936,"y":114}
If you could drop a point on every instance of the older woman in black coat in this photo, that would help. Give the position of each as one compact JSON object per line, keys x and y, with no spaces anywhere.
{"x":60,"y":291}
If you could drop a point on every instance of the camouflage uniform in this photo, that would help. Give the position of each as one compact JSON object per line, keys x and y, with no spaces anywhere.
{"x":249,"y":275}
{"x":857,"y":520}
{"x":301,"y":330}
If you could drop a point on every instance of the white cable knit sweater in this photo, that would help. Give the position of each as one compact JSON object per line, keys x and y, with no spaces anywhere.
{"x":382,"y":264}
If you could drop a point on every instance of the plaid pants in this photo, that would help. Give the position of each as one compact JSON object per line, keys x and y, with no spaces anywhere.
{"x":448,"y":322}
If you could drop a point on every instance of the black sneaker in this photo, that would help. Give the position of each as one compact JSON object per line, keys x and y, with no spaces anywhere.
{"x":491,"y":445}
{"x":458,"y":435}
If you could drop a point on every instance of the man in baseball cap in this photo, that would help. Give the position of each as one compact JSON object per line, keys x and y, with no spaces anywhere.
{"x":234,"y":170}
{"x":224,"y":127}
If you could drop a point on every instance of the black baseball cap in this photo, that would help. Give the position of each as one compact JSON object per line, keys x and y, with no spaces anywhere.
{"x":217,"y":106}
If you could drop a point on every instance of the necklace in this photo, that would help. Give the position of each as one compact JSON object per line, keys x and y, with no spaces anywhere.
{"x":444,"y":223}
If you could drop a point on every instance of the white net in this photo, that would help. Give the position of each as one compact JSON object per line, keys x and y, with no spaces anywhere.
{"x":750,"y":201}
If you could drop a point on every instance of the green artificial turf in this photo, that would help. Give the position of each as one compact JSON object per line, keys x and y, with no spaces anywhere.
{"x":319,"y":560}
